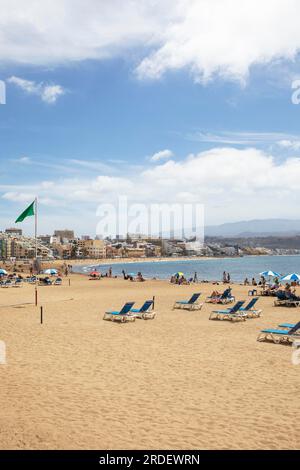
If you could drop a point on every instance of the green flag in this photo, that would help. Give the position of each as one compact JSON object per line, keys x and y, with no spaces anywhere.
{"x":27,"y":213}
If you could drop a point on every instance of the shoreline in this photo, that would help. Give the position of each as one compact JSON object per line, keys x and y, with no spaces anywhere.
{"x":109,"y":261}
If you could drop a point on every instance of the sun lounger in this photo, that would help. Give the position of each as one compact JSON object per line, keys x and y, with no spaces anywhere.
{"x":233,"y":314}
{"x":144,"y":312}
{"x":122,"y":316}
{"x":220,"y":299}
{"x":287,"y":303}
{"x":286,"y":300}
{"x":58,"y":282}
{"x":18,"y":283}
{"x":287,"y":325}
{"x":249,"y":310}
{"x":190,"y":304}
{"x":280,"y":336}
{"x":7,"y":283}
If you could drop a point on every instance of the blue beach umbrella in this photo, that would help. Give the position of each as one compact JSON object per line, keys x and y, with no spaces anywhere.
{"x":270,"y":273}
{"x":291,"y":277}
{"x":2,"y":272}
{"x":52,"y":271}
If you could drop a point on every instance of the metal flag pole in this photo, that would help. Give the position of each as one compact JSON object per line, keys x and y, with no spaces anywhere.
{"x":35,"y":227}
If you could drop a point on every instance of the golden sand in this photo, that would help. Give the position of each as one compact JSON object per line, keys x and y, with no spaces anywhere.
{"x":179,"y":381}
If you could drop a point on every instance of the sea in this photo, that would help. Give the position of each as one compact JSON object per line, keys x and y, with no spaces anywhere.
{"x":206,"y":269}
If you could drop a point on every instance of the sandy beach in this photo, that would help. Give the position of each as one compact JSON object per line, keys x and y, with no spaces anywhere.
{"x":179,"y":381}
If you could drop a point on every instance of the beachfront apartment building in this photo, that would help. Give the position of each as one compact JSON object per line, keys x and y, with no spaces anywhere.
{"x":92,"y":248}
{"x":5,"y":247}
{"x":21,"y":247}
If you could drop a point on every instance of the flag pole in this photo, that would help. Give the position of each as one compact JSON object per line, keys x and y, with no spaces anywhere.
{"x":35,"y":227}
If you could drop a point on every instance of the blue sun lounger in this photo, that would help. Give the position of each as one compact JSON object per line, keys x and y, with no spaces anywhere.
{"x":233,"y":314}
{"x":144,"y":311}
{"x":190,"y":304}
{"x":287,"y":325}
{"x":249,"y":310}
{"x":123,"y":315}
{"x":280,"y":336}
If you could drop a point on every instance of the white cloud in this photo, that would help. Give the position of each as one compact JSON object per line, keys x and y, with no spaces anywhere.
{"x":225,"y":38}
{"x":48,"y":93}
{"x":91,"y":165}
{"x":208,"y":38}
{"x":242,"y":138}
{"x":18,"y":196}
{"x":161,"y":155}
{"x":233,"y":184}
{"x":25,"y":160}
{"x":290,"y":144}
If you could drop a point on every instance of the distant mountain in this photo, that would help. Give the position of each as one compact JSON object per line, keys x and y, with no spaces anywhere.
{"x":261,"y":228}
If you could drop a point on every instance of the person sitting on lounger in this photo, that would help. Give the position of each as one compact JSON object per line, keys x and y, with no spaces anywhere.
{"x":215,"y":293}
{"x":227,"y":293}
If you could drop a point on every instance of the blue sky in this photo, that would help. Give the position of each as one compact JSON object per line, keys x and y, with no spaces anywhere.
{"x":78,"y":133}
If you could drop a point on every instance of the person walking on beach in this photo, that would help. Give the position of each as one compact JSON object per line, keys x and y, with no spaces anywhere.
{"x":224,"y":277}
{"x":110,"y":272}
{"x":195,"y":277}
{"x":228,"y":278}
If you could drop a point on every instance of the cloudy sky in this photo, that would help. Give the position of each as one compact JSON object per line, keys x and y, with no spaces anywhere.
{"x":159,"y":100}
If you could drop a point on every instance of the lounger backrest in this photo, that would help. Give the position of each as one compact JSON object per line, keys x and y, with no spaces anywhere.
{"x":194,"y":298}
{"x":294,"y":329}
{"x":251,"y":303}
{"x":146,"y":306}
{"x":127,"y":307}
{"x":237,"y":306}
{"x":281,"y":295}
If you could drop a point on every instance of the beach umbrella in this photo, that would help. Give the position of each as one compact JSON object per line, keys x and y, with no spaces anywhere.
{"x":51,"y":271}
{"x":178,"y":274}
{"x":291,"y":277}
{"x":270,"y":273}
{"x":94,"y":273}
{"x":2,"y":271}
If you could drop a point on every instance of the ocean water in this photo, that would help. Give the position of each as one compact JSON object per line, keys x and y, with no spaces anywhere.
{"x":210,"y":270}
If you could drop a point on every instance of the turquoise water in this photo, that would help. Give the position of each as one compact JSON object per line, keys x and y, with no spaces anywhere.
{"x":211,"y":269}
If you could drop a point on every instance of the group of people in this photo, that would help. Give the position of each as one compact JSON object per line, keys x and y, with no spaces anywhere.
{"x":178,"y":279}
{"x":130,"y":277}
{"x":262,"y":282}
{"x":226,"y":278}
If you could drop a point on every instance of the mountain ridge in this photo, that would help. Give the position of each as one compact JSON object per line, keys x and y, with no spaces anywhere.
{"x":255,"y":227}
